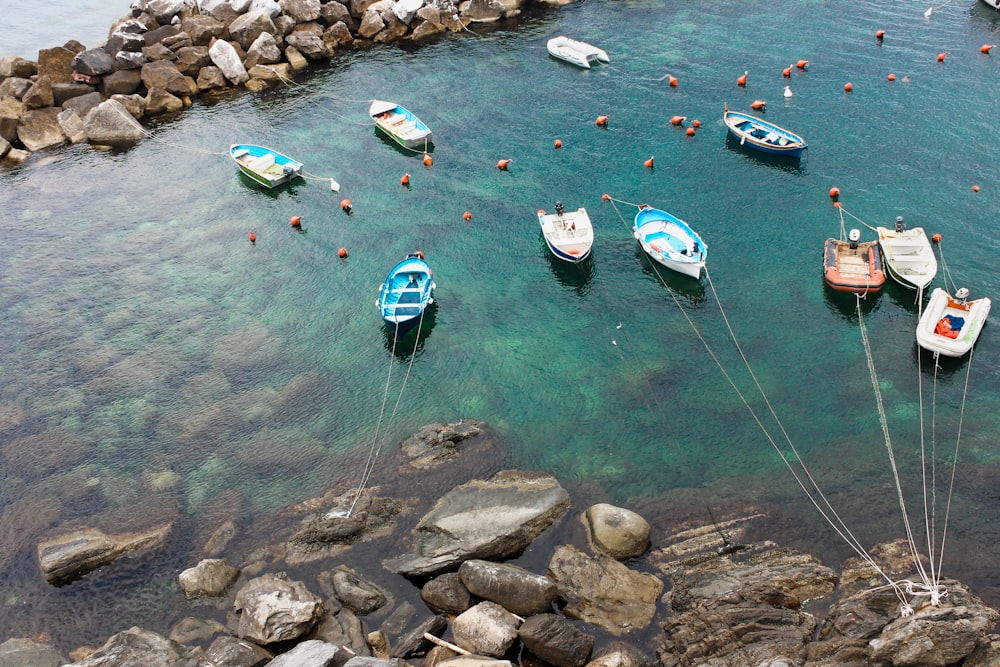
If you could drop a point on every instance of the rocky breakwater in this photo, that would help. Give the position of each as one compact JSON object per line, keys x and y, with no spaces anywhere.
{"x":502,"y":569}
{"x":166,"y":53}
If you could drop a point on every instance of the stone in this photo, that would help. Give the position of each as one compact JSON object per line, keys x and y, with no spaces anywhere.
{"x":351,"y":590}
{"x":83,"y":104}
{"x":177,"y":41}
{"x":273,"y":609}
{"x":191,"y":59}
{"x":16,"y":155}
{"x":405,"y":629}
{"x":158,"y":51}
{"x":617,"y":532}
{"x":212,"y":578}
{"x":296,"y":59}
{"x":620,"y":654}
{"x":203,"y":29}
{"x":263,"y":51}
{"x":371,"y":24}
{"x":70,"y":556}
{"x":165,"y":75}
{"x":136,"y":646}
{"x":110,"y":124}
{"x":56,"y":64}
{"x":556,"y":641}
{"x":17,"y":66}
{"x":162,"y":11}
{"x":406,"y":10}
{"x":159,"y":101}
{"x":310,"y":653}
{"x":67,"y":91}
{"x":11,"y":111}
{"x":337,"y":35}
{"x":446,"y":594}
{"x":248,"y":27}
{"x":94,"y":62}
{"x":39,"y":94}
{"x":39,"y":129}
{"x":15,"y":87}
{"x":224,"y":56}
{"x":309,"y":44}
{"x":4,"y":147}
{"x":333,"y":12}
{"x":72,"y":126}
{"x":124,"y":82}
{"x":157,"y":35}
{"x":278,"y":73}
{"x":424,"y":29}
{"x":210,"y":78}
{"x":484,"y":11}
{"x":485,"y":629}
{"x":20,"y":652}
{"x":234,"y":652}
{"x":514,"y":588}
{"x":300,"y":11}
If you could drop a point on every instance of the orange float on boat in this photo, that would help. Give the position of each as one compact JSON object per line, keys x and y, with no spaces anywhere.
{"x":850,"y":266}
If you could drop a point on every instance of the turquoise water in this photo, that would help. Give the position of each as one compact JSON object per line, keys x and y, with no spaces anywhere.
{"x":154,"y":361}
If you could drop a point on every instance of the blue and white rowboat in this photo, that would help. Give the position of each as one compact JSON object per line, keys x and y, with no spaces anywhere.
{"x":764,"y":136}
{"x":401,"y":124}
{"x":264,"y":165}
{"x":670,"y":241}
{"x":407,"y":291}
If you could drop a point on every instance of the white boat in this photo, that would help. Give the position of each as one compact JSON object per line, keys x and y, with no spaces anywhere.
{"x":670,"y":241}
{"x":908,"y":254}
{"x":951,"y":325}
{"x":400,"y":124}
{"x":568,"y":235}
{"x":265,"y":166}
{"x":576,"y":52}
{"x":995,"y":4}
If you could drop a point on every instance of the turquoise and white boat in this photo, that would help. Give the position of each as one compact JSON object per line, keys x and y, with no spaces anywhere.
{"x":401,"y":124}
{"x":407,"y":291}
{"x":265,"y":166}
{"x":670,"y":241}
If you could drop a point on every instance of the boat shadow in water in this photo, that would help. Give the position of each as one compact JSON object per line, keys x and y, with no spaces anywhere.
{"x":846,"y":303}
{"x":410,"y":336}
{"x":689,"y":291}
{"x":906,"y":298}
{"x":783,"y":162}
{"x":290,"y":187}
{"x":408,"y":152}
{"x":575,"y":276}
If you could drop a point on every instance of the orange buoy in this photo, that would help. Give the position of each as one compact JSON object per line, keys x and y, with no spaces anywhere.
{"x":975,"y":188}
{"x":802,"y":64}
{"x":758,"y":105}
{"x":342,"y":253}
{"x":936,"y":238}
{"x":557,"y":143}
{"x":985,"y":48}
{"x":405,"y":179}
{"x":503,"y":164}
{"x":891,"y":77}
{"x":253,"y":237}
{"x":677,"y":120}
{"x":419,"y":254}
{"x":836,"y":204}
{"x":648,"y":163}
{"x":848,"y":87}
{"x":345,"y":205}
{"x":787,"y":72}
{"x":689,"y":131}
{"x":672,"y":81}
{"x":879,"y":34}
{"x":941,"y":57}
{"x":834,"y":193}
{"x":467,"y":215}
{"x":606,"y":197}
{"x":742,"y":81}
{"x":296,"y":221}
{"x":428,"y":160}
{"x":696,"y":123}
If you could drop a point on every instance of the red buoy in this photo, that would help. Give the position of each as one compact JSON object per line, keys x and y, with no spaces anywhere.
{"x":787,"y":72}
{"x":689,"y":131}
{"x":602,"y":121}
{"x":834,"y":193}
{"x":892,"y":77}
{"x":677,"y":120}
{"x":757,"y":105}
{"x":986,"y":48}
{"x":836,"y":204}
{"x":942,"y":56}
{"x":405,"y":179}
{"x":802,"y":64}
{"x":428,"y":160}
{"x":672,"y":81}
{"x":848,"y":87}
{"x":342,"y":253}
{"x":253,"y":237}
{"x":936,"y":238}
{"x":345,"y":205}
{"x":606,"y":197}
{"x":503,"y":164}
{"x":742,"y":81}
{"x":648,"y":164}
{"x":696,"y":123}
{"x":296,"y":221}
{"x":557,"y":143}
{"x":467,"y":215}
{"x":975,"y":188}
{"x":879,"y":34}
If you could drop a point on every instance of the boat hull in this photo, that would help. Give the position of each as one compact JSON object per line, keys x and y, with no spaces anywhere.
{"x":763,"y":136}
{"x":857,"y":270}
{"x":909,"y":257}
{"x":401,"y":125}
{"x":569,"y":236}
{"x":995,"y":4}
{"x":576,"y":52}
{"x":265,"y":166}
{"x":406,"y":292}
{"x":670,"y":241}
{"x":942,"y":316}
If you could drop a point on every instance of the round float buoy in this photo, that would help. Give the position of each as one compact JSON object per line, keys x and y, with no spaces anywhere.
{"x":557,"y":143}
{"x":986,"y":48}
{"x":689,"y":132}
{"x":467,"y":215}
{"x":836,"y":204}
{"x":428,"y":160}
{"x":802,"y":64}
{"x":879,"y":34}
{"x":848,"y":87}
{"x":677,"y":120}
{"x":606,"y":197}
{"x":296,"y":221}
{"x":253,"y":237}
{"x":787,"y":72}
{"x":757,"y":105}
{"x":696,"y":123}
{"x":942,"y":56}
{"x":672,"y":80}
{"x":345,"y":205}
{"x":648,"y":164}
{"x":975,"y":188}
{"x":834,"y":193}
{"x":602,"y":121}
{"x":936,"y":238}
{"x":891,"y":77}
{"x":419,"y":254}
{"x":742,"y":81}
{"x":503,"y":164}
{"x":342,"y":253}
{"x":405,"y":179}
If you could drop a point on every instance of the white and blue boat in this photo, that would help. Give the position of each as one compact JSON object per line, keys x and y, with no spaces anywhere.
{"x":670,"y":241}
{"x":760,"y":134}
{"x":265,"y":166}
{"x":401,"y":124}
{"x":407,"y":291}
{"x":568,"y":234}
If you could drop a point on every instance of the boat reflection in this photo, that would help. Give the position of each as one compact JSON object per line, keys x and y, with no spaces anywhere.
{"x":290,"y":187}
{"x":688,"y":290}
{"x":408,"y":152}
{"x":408,"y":338}
{"x":845,"y":304}
{"x":575,"y":276}
{"x":783,"y":162}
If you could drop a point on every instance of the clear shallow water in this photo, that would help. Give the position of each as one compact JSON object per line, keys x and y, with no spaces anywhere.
{"x":152,"y":357}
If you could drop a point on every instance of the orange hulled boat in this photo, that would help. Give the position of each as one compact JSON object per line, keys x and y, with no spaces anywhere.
{"x":850,"y":266}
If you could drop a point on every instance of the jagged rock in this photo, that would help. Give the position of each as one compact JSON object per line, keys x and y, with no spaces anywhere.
{"x":300,"y":11}
{"x":602,"y":591}
{"x":234,"y":652}
{"x":15,"y":87}
{"x":157,"y":35}
{"x":18,"y":67}
{"x":130,"y":60}
{"x":83,"y":104}
{"x":211,"y":577}
{"x":337,"y":35}
{"x":556,"y":641}
{"x":620,"y":654}
{"x":68,"y":557}
{"x":310,"y":653}
{"x":446,"y":594}
{"x":109,"y":123}
{"x":67,"y":91}
{"x":39,"y":95}
{"x":295,"y":59}
{"x":273,"y":609}
{"x":934,"y":636}
{"x":484,"y":11}
{"x":20,"y":652}
{"x":124,"y":82}
{"x":515,"y":589}
{"x":56,"y":64}
{"x":124,"y":41}
{"x":491,"y":519}
{"x":332,"y":531}
{"x":354,"y":592}
{"x":438,"y":443}
{"x":224,"y":56}
{"x":371,"y":24}
{"x":16,"y":155}
{"x":263,"y":51}
{"x":136,"y":646}
{"x":176,"y":41}
{"x":333,"y":12}
{"x":393,"y":30}
{"x":158,"y":51}
{"x":199,"y":631}
{"x":162,"y":11}
{"x":485,"y":629}
{"x":72,"y":126}
{"x":471,"y":661}
{"x":11,"y":110}
{"x":191,"y":59}
{"x":211,"y":77}
{"x":277,"y":73}
{"x":424,"y":29}
{"x":249,"y":26}
{"x":405,"y":629}
{"x":374,"y":662}
{"x":406,"y":10}
{"x":202,"y":29}
{"x":309,"y":44}
{"x":4,"y":147}
{"x":342,"y":628}
{"x":615,"y":531}
{"x":164,"y":75}
{"x":159,"y":101}
{"x":94,"y":62}
{"x":39,"y":129}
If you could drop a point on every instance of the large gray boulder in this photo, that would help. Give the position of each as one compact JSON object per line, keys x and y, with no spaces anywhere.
{"x":300,"y":11}
{"x":212,"y":577}
{"x":94,"y":62}
{"x":615,"y":531}
{"x":311,"y":653}
{"x":556,"y":641}
{"x":514,"y":588}
{"x":20,"y":652}
{"x":136,"y":646}
{"x":39,"y":129}
{"x":486,"y":629}
{"x":492,"y":519}
{"x":70,"y":556}
{"x":165,"y":75}
{"x":71,"y":125}
{"x":273,"y":609}
{"x":249,"y":26}
{"x":110,"y":124}
{"x":224,"y":56}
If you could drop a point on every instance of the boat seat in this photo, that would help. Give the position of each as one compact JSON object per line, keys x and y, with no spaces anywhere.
{"x":771,"y":137}
{"x":262,"y":163}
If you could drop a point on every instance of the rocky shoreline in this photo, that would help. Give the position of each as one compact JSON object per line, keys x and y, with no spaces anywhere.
{"x":504,"y":567}
{"x":167,"y":53}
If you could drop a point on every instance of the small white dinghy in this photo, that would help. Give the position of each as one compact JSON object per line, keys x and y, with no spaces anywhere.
{"x":576,"y":52}
{"x":908,"y":254}
{"x":951,"y":325}
{"x":568,"y":235}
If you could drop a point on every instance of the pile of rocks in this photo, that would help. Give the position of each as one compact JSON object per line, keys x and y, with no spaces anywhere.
{"x":167,"y":52}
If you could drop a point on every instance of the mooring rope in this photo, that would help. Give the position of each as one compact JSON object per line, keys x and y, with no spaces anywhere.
{"x":150,"y":135}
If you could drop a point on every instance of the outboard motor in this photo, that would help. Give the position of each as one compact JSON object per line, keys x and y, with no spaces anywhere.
{"x":854,"y":236}
{"x":559,"y":208}
{"x":962,"y":294}
{"x":288,"y":169}
{"x":900,"y":225}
